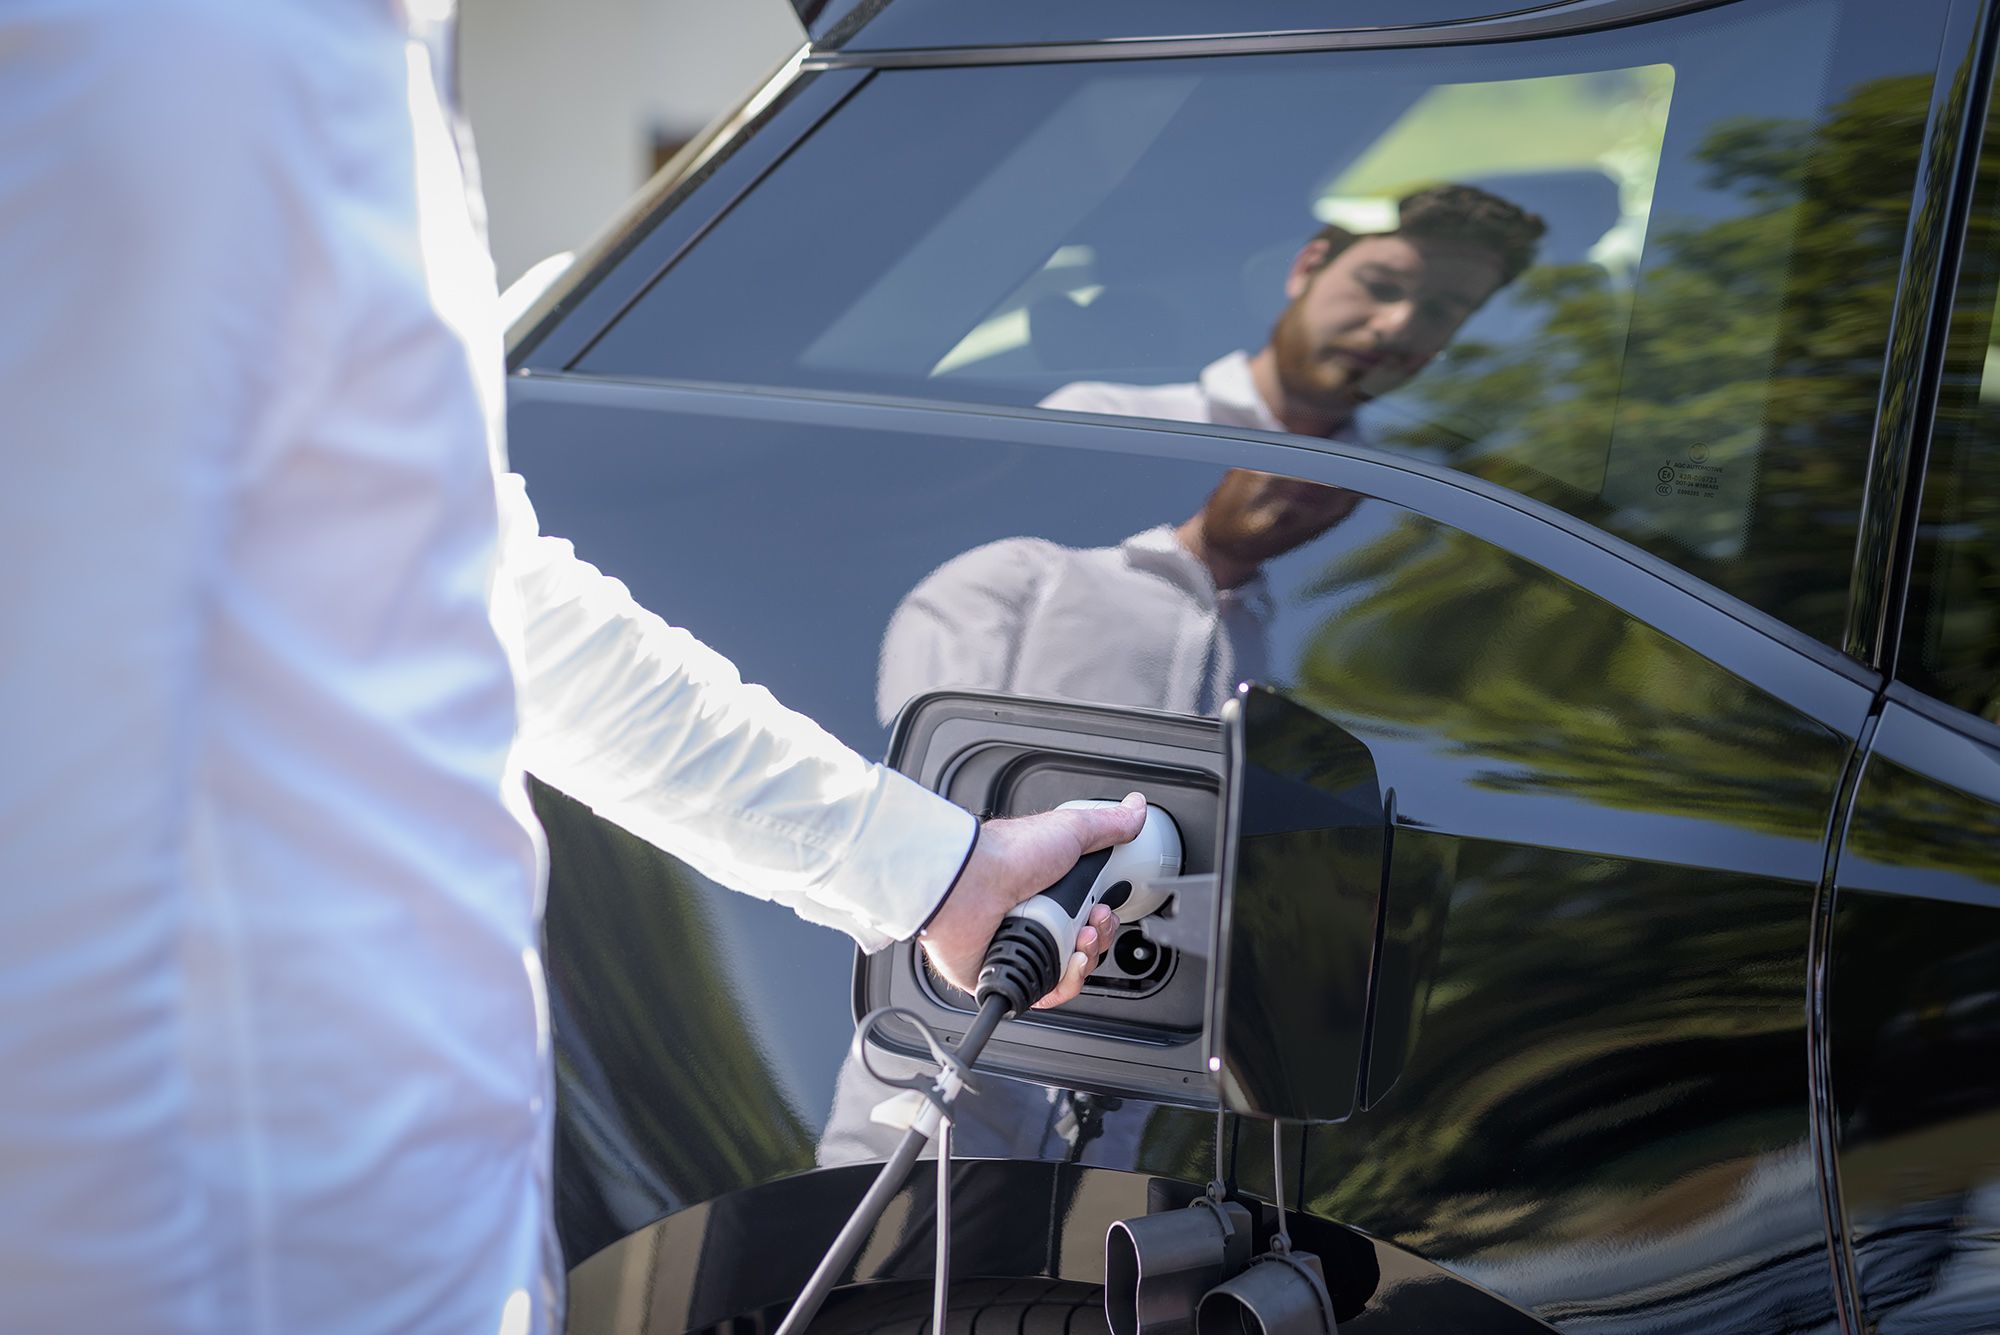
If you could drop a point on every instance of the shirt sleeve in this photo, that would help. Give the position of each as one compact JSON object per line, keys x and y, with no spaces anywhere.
{"x":1090,"y":396}
{"x":962,"y":625}
{"x":658,"y":733}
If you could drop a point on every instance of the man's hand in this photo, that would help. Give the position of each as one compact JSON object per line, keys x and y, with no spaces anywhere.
{"x":1015,"y":860}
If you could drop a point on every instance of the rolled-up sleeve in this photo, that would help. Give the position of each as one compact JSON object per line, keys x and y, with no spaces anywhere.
{"x":659,"y":734}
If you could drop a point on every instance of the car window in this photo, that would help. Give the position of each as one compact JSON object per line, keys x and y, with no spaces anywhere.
{"x":1951,"y":637}
{"x":1644,"y":276}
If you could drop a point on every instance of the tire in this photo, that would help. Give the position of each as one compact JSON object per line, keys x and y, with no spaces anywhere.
{"x":977,"y":1307}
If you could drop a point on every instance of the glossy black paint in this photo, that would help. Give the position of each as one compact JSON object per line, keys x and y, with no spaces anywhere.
{"x":1915,"y":992}
{"x":1666,"y":902}
{"x":1798,"y":670}
{"x":1613,"y":840}
{"x":1825,"y":1136}
{"x":1306,"y":843}
{"x":687,"y":1272}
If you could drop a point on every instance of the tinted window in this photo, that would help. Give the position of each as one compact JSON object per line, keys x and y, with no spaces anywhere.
{"x":1690,"y":359}
{"x":1952,"y":633}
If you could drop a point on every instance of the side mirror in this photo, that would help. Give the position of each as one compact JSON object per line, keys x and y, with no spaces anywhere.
{"x":1303,"y":858}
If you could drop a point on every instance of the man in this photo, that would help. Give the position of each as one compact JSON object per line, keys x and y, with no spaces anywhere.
{"x":1363,"y":314}
{"x":1174,"y":617}
{"x":273,"y":1042}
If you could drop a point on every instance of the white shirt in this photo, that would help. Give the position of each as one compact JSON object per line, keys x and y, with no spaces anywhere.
{"x":1226,"y":395}
{"x":1139,"y":624}
{"x":272,"y":1024}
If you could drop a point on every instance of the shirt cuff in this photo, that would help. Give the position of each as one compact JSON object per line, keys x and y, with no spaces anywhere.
{"x":963,"y":863}
{"x":904,"y":861}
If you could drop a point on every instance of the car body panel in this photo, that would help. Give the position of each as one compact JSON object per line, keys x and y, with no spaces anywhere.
{"x":685,"y":1272}
{"x":1575,"y":787}
{"x":1915,"y":996}
{"x":1653,"y":1072}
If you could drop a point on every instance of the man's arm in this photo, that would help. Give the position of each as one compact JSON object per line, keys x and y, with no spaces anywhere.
{"x":656,"y":732}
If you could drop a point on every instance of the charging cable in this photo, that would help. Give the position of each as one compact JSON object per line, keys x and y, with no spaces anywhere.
{"x":939,"y":1094}
{"x":1023,"y":963}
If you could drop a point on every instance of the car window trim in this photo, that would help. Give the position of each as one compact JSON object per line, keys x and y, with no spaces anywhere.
{"x":1920,"y":328}
{"x":664,"y":220}
{"x":1949,"y":716}
{"x":840,"y":35}
{"x":1150,"y":435}
{"x":1579,"y":16}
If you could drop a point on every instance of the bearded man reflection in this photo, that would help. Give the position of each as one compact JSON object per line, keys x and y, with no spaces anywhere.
{"x":1172,"y":618}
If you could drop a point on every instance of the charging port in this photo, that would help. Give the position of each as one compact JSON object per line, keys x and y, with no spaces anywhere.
{"x":1134,"y":1031}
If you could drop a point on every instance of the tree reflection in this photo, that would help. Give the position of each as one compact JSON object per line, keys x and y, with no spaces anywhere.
{"x":665,"y":1098}
{"x":1759,"y":335}
{"x":1553,"y":691}
{"x":1610,"y":1056}
{"x":1954,"y":650}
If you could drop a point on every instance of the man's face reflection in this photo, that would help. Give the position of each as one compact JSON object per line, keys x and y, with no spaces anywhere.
{"x":1146,"y":622}
{"x":1251,"y":517}
{"x":1363,"y":323}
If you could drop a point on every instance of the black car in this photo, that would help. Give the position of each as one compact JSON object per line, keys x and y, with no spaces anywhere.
{"x":1591,"y":408}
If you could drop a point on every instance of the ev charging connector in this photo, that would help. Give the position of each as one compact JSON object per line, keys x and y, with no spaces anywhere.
{"x":1023,"y":964}
{"x":1025,"y":961}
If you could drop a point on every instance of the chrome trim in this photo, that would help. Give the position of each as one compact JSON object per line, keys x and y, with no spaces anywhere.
{"x":628,"y":224}
{"x":1574,"y":16}
{"x":1822,"y":1116}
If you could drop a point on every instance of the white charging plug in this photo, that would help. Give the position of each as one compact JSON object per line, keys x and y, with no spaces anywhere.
{"x":1121,"y":877}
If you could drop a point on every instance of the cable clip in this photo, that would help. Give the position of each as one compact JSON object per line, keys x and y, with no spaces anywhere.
{"x":939,"y":1091}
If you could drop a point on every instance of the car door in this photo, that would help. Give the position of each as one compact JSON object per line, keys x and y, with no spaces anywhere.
{"x":1585,"y":595}
{"x":1913,"y":978}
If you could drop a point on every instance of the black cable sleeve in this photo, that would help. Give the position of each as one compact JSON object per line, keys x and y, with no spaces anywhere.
{"x":983,"y":1025}
{"x":1023,"y":964}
